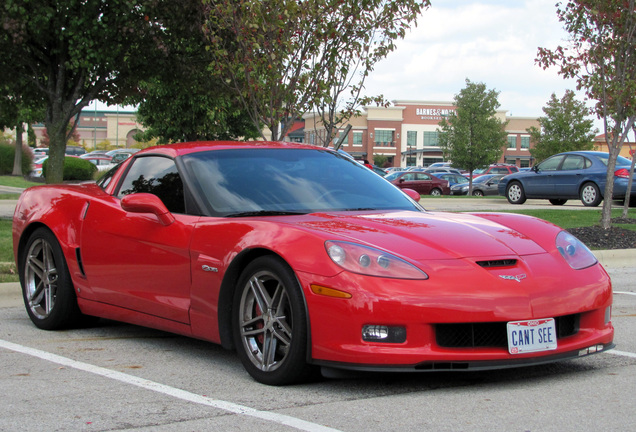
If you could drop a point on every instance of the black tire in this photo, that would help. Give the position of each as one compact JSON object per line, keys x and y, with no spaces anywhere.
{"x":590,"y":195}
{"x":558,"y":202}
{"x":436,"y":192}
{"x":478,"y":193}
{"x":272,"y":346}
{"x":47,"y":289}
{"x":515,"y":193}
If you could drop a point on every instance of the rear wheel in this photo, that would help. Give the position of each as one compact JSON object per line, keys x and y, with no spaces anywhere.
{"x":590,"y":195}
{"x":47,"y":288}
{"x":270,"y":323}
{"x":478,"y":193}
{"x":558,"y":202}
{"x":515,"y":193}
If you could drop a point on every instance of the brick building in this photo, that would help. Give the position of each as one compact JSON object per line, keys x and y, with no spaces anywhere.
{"x":406,"y":133}
{"x":94,"y":127}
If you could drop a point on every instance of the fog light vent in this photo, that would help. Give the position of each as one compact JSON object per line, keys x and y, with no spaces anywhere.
{"x":382,"y":333}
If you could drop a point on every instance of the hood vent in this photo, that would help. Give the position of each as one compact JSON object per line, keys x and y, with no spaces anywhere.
{"x":497,"y":263}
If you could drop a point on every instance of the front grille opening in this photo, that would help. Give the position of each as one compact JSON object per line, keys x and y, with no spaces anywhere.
{"x":497,"y":263}
{"x":492,"y":335}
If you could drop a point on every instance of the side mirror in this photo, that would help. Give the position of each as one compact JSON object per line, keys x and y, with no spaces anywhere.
{"x":415,"y":196}
{"x":147,"y":203}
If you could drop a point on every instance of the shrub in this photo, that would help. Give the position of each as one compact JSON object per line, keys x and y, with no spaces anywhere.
{"x":75,"y":169}
{"x":7,"y":154}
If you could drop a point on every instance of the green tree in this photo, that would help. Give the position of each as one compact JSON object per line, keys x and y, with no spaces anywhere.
{"x":71,"y":52}
{"x":472,"y":136}
{"x":600,"y":56}
{"x":284,"y":57}
{"x":183,"y":101}
{"x":16,"y":110}
{"x":563,"y":128}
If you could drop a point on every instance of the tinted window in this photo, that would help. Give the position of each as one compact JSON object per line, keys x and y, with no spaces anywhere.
{"x":419,"y":176}
{"x":619,"y":161}
{"x":240,"y":181}
{"x":573,"y":162}
{"x":551,"y":164}
{"x":158,"y":176}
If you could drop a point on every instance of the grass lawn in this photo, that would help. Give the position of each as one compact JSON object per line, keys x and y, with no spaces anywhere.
{"x":16,"y":181}
{"x":576,"y":218}
{"x":7,"y":266}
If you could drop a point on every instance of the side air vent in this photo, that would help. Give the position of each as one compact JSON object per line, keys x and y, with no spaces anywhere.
{"x":497,"y":263}
{"x":80,"y":264}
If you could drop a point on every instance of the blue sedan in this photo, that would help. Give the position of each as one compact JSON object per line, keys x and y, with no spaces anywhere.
{"x":570,"y":175}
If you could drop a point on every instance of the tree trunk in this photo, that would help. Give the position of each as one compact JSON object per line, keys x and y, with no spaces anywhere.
{"x":618,"y":138}
{"x":17,"y":159}
{"x":628,"y":192}
{"x":57,"y":149}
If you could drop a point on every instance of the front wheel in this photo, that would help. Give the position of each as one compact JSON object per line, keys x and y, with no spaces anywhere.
{"x":47,"y":288}
{"x":590,"y":195}
{"x":515,"y":193}
{"x":436,"y":192}
{"x":270,"y":323}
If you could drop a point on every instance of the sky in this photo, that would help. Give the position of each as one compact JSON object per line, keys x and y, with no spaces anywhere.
{"x":487,"y":41}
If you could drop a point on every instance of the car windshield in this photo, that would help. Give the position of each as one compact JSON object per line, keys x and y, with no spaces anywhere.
{"x":243,"y":182}
{"x":620,"y":161}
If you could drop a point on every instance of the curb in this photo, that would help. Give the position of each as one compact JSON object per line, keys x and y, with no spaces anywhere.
{"x":616,"y":258}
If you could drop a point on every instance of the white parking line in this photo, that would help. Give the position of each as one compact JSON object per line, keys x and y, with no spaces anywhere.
{"x":167,"y":390}
{"x":621,"y":353}
{"x":624,"y":292}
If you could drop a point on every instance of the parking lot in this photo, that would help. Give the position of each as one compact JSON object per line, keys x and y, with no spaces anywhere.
{"x":119,"y":377}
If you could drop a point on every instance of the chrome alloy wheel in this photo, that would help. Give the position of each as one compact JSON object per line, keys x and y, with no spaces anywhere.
{"x":40,"y":278}
{"x":265,"y":321}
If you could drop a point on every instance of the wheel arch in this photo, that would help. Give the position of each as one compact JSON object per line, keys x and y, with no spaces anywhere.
{"x":24,"y":238}
{"x":588,"y":180}
{"x":228,"y":288}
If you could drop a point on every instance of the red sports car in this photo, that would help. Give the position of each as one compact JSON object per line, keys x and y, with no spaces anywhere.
{"x":299,"y":258}
{"x":421,"y":182}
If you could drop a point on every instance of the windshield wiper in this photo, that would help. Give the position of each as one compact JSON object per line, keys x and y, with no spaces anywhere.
{"x":267,"y":213}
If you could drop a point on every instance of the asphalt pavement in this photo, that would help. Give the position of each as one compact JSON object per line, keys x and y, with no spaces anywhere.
{"x":116,"y":376}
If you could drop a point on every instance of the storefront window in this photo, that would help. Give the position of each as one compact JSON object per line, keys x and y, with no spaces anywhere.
{"x":525,"y":142}
{"x":384,"y":138}
{"x":357,"y":138}
{"x":431,"y":139}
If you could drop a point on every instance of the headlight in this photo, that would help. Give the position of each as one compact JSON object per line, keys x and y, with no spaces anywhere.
{"x":370,"y":261}
{"x":574,"y":252}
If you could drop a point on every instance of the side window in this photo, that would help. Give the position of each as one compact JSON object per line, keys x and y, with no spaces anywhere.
{"x":156,"y":175}
{"x":551,"y":164}
{"x":573,"y":162}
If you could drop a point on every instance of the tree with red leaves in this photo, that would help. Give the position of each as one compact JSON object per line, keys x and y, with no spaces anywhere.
{"x":601,"y":56}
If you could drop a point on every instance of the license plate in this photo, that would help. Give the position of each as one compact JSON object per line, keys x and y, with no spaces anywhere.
{"x":531,"y":336}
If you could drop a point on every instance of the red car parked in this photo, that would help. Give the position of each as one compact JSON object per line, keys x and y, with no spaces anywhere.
{"x":424,"y":183}
{"x":300,"y":258}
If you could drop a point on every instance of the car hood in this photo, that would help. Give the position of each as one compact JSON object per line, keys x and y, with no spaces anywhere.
{"x":426,"y":235}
